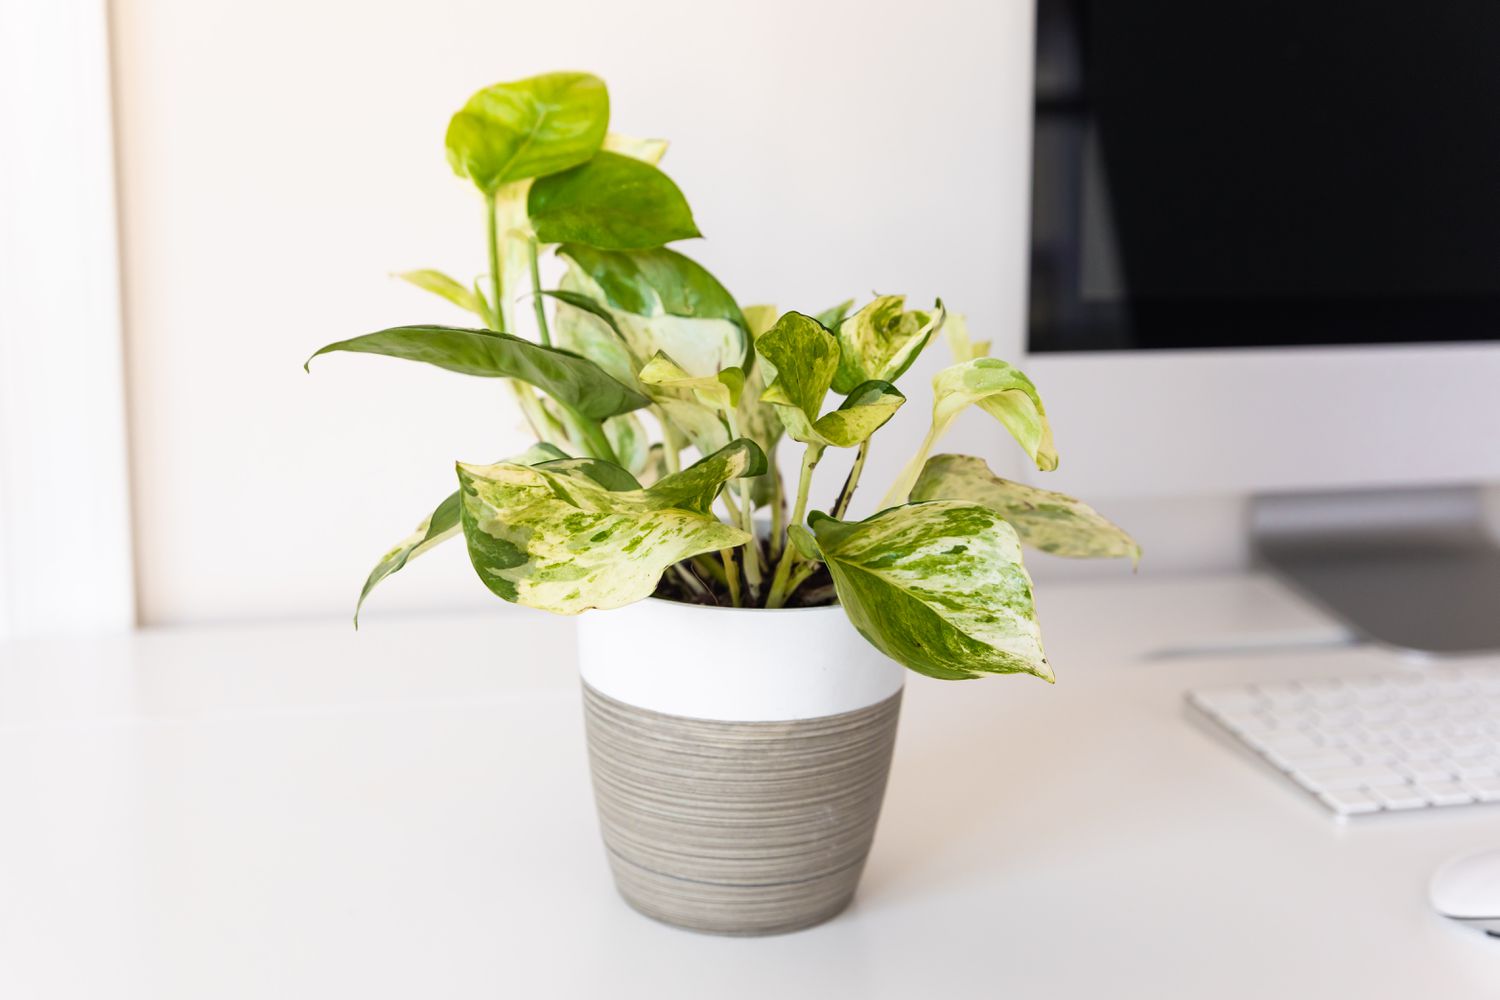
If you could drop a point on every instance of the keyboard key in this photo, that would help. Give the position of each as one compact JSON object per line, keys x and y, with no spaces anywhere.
{"x":1317,"y":758}
{"x":1446,"y":793}
{"x":1228,"y":700}
{"x":1332,"y":779}
{"x":1418,"y":739}
{"x":1400,"y":797}
{"x":1474,"y":767}
{"x":1423,"y":771}
{"x":1350,"y":802}
{"x":1484,"y":789}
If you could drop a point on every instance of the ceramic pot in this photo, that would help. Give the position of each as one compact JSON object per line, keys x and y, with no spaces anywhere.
{"x":739,"y":759}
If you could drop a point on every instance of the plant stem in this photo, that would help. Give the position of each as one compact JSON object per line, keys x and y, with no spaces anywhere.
{"x":852,"y":483}
{"x":536,"y":294}
{"x":778,"y":508}
{"x":671,"y":444}
{"x":747,"y":519}
{"x":497,"y":284}
{"x":592,"y":432}
{"x":731,"y":576}
{"x":901,"y":489}
{"x":799,"y":511}
{"x":693,"y":583}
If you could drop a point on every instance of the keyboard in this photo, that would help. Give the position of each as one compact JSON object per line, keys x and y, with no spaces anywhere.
{"x":1376,"y":744}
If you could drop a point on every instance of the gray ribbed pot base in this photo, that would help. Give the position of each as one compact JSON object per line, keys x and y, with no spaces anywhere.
{"x":738,"y":827}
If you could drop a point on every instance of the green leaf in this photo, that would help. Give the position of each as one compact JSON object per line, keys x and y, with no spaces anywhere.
{"x":569,"y":378}
{"x":720,"y":391}
{"x":882,"y":340}
{"x":1051,"y":522}
{"x":612,"y":202}
{"x":866,"y":410}
{"x":647,"y":150}
{"x":663,"y":301}
{"x":454,"y":291}
{"x":1002,"y":391}
{"x":439,"y":526}
{"x":558,"y":541}
{"x":938,"y":587}
{"x":834,"y":315}
{"x":655,"y":283}
{"x":528,"y":128}
{"x":804,"y":542}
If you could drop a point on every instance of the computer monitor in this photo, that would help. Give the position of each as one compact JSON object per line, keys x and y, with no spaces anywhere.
{"x":1266,"y":243}
{"x":1265,"y":258}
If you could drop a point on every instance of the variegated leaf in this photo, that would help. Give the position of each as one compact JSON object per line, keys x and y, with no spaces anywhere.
{"x":834,"y":315}
{"x":882,"y":340}
{"x":938,"y":587}
{"x":805,"y":357}
{"x":863,"y":413}
{"x":629,"y":440}
{"x":448,"y":288}
{"x":648,"y":150}
{"x":964,"y":347}
{"x":720,"y":391}
{"x":1054,"y":523}
{"x":438,"y":527}
{"x":559,"y":541}
{"x":999,"y":389}
{"x":663,"y":302}
{"x":1002,"y":391}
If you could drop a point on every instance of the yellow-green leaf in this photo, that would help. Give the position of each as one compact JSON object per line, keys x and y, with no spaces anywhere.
{"x":528,"y":128}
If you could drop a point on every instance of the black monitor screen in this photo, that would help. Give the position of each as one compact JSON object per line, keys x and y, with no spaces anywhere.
{"x":1238,"y":173}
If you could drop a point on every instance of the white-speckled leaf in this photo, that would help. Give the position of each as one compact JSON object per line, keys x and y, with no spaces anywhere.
{"x":881,"y":341}
{"x":628,"y":438}
{"x":439,"y":526}
{"x":1054,"y":523}
{"x":999,"y":389}
{"x":938,"y":587}
{"x":1004,"y":392}
{"x":561,"y":542}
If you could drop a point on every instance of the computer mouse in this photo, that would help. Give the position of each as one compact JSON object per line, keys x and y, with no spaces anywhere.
{"x":1467,"y":890}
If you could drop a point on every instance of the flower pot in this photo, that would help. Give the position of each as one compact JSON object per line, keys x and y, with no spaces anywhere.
{"x":739,"y":759}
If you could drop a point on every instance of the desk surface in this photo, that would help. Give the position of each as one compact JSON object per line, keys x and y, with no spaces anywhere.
{"x":302,"y":811}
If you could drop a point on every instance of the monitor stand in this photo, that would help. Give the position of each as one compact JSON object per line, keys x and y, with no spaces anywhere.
{"x":1414,"y":569}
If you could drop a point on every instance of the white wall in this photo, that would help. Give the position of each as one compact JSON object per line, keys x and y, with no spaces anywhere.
{"x":279,"y":158}
{"x":64,"y":517}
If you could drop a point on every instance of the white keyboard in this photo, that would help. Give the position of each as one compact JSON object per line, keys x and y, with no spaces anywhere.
{"x":1366,"y":745}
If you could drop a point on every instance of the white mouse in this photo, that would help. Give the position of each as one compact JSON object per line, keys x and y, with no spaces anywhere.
{"x":1467,"y":890}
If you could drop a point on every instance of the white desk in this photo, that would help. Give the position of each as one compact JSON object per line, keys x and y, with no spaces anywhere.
{"x":301,"y":811}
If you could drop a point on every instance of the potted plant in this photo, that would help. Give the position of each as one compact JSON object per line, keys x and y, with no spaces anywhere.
{"x":741,"y":693}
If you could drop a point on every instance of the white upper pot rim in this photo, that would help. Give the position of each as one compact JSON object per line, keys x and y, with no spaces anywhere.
{"x":733,"y":664}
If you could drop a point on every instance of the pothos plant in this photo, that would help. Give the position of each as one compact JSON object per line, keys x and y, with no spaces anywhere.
{"x":601,"y":512}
